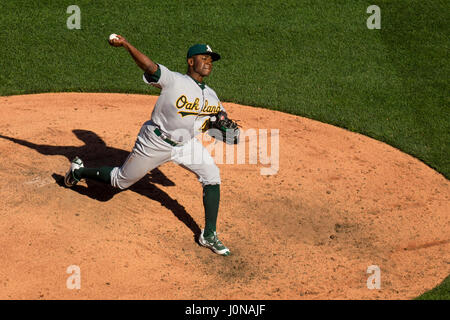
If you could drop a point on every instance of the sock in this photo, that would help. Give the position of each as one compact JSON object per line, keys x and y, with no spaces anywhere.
{"x":102,"y":174}
{"x":211,"y":199}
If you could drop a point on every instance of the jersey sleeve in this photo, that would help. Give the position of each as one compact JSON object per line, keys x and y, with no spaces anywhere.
{"x":163,"y":77}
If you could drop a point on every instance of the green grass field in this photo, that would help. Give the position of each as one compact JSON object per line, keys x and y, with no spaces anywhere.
{"x":441,"y":292}
{"x":311,"y":58}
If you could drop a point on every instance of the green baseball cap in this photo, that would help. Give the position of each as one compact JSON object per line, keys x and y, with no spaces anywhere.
{"x":202,"y":49}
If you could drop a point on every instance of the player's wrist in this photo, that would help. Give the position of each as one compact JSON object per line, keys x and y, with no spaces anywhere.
{"x":126,"y":45}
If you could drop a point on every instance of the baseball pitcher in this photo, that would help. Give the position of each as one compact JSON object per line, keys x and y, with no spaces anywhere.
{"x":185,"y":107}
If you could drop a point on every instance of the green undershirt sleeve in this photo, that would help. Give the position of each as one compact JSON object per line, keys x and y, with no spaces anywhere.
{"x":153,"y":77}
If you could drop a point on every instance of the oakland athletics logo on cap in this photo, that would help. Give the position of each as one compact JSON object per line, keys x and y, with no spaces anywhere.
{"x":202,"y":49}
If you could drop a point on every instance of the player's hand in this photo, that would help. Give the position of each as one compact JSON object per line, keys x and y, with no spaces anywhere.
{"x":119,"y":41}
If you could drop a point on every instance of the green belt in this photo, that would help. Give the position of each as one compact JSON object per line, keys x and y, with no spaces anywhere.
{"x":159,"y":133}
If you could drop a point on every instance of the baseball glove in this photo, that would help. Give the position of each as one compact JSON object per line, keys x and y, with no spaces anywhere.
{"x":223,"y":128}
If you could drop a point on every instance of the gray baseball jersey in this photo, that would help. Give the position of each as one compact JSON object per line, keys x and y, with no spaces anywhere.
{"x":183,"y":104}
{"x":178,"y":116}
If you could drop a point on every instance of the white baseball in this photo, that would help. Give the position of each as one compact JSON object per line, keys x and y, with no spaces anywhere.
{"x":113,"y":36}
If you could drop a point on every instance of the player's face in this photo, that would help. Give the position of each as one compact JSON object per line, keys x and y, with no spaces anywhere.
{"x":203,"y":64}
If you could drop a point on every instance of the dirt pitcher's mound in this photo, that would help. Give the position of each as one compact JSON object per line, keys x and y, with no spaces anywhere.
{"x":337,"y":209}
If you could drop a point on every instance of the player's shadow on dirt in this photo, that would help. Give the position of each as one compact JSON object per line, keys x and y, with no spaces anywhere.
{"x":96,"y":153}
